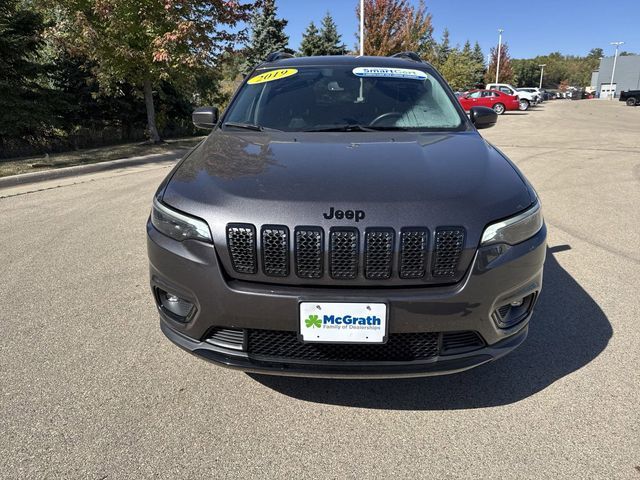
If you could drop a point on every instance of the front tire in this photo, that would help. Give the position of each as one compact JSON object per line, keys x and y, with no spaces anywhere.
{"x":498,"y":108}
{"x":631,"y":101}
{"x":523,"y":105}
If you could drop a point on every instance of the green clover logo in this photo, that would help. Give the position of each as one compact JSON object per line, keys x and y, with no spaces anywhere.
{"x":313,"y":322}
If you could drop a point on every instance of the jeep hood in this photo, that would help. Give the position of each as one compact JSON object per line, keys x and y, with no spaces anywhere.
{"x":396,"y":179}
{"x":448,"y":178}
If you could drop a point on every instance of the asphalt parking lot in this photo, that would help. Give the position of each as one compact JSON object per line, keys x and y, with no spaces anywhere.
{"x":90,"y":388}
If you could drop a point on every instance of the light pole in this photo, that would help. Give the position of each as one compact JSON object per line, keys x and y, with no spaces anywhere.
{"x":541,"y":73}
{"x":361,"y":28}
{"x":500,"y":30}
{"x":613,"y":72}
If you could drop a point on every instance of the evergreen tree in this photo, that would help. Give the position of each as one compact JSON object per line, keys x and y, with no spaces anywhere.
{"x":28,"y":105}
{"x":311,"y":41}
{"x":477,"y":57}
{"x":443,"y":49}
{"x":267,"y":35}
{"x":330,"y":39}
{"x":466,"y":50}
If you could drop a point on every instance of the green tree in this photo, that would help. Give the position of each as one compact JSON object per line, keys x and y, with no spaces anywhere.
{"x":457,"y":70}
{"x":310,"y":44}
{"x":267,"y":35}
{"x":147,"y":42}
{"x":461,"y":68}
{"x":526,"y":73}
{"x":330,"y":39}
{"x":30,"y":108}
{"x":595,"y":53}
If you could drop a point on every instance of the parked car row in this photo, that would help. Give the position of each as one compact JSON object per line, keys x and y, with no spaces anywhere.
{"x":503,"y":97}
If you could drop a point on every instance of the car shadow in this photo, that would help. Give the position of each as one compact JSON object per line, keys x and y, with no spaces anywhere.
{"x":568,"y":330}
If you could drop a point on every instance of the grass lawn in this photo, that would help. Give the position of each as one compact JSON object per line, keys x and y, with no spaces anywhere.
{"x":91,"y":155}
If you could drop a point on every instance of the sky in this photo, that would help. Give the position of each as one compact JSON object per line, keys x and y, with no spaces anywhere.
{"x":530,"y":28}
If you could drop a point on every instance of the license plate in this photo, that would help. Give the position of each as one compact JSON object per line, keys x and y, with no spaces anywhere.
{"x":343,"y":322}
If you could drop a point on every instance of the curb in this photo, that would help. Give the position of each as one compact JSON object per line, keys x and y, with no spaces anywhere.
{"x":55,"y":173}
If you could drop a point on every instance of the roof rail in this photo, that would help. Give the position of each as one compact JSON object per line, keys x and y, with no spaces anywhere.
{"x":409,"y":55}
{"x":272,"y":57}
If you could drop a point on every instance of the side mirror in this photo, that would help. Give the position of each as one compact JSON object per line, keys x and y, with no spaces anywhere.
{"x":483,"y":117}
{"x":205,"y":117}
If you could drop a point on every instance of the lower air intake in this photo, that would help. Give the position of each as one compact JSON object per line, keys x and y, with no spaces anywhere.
{"x":401,"y":347}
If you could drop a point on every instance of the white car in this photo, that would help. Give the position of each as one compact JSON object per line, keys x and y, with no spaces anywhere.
{"x":526,"y":99}
{"x":535,"y":90}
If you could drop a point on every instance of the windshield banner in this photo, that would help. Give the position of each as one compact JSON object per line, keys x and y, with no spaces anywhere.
{"x":389,"y":73}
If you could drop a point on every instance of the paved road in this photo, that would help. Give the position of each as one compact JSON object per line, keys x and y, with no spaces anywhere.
{"x":91,"y":389}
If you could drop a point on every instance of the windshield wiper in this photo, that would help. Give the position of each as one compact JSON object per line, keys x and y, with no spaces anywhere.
{"x":247,"y":126}
{"x":340,"y":128}
{"x":354,"y":127}
{"x":389,"y":128}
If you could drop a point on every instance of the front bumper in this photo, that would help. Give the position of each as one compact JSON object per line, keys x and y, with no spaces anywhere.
{"x":192,"y":271}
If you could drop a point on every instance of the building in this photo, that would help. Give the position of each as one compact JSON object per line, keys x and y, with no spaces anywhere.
{"x":627,"y":75}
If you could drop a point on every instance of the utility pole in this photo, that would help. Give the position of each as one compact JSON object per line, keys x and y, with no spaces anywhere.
{"x":500,"y":30}
{"x":613,"y":72}
{"x":541,"y":73}
{"x":361,"y":27}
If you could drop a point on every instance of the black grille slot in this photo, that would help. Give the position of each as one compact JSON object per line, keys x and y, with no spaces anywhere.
{"x":343,"y":253}
{"x":413,"y":253}
{"x":449,"y":245}
{"x":378,"y":254}
{"x":275,"y":251}
{"x":227,"y":338}
{"x":241,"y":241}
{"x":457,"y":342}
{"x":308,"y":250}
{"x":504,"y":310}
{"x":401,"y":347}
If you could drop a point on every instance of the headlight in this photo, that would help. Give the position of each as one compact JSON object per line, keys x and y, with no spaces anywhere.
{"x":178,"y":225}
{"x":515,"y":229}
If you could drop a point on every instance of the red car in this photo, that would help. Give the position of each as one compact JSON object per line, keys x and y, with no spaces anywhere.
{"x":499,"y":101}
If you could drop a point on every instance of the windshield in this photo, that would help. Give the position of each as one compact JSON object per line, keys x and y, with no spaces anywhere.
{"x":324,"y":98}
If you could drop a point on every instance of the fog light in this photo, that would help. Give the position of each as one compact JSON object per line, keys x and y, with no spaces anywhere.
{"x":512,"y":313}
{"x":174,"y":306}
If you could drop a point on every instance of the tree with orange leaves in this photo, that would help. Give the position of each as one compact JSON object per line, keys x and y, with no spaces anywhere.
{"x":392,"y":26}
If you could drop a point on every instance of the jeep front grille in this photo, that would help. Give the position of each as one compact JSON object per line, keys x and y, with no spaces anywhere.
{"x":275,"y":251}
{"x":343,"y":254}
{"x":379,"y":255}
{"x":413,"y":253}
{"x":449,"y":245}
{"x":308,"y":252}
{"x":241,"y":241}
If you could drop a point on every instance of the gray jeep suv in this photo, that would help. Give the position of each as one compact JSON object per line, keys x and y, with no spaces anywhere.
{"x":344,"y":218}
